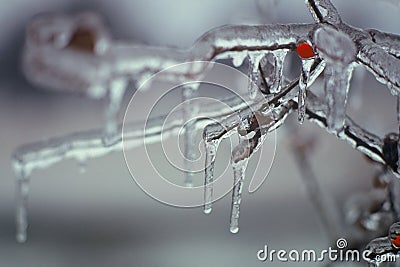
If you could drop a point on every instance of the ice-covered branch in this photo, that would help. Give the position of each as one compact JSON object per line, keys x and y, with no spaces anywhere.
{"x":324,"y":11}
{"x":383,"y":65}
{"x":388,"y":41}
{"x":86,"y":145}
{"x":52,"y":63}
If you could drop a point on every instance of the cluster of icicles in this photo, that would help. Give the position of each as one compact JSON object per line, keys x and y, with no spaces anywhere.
{"x":332,"y":51}
{"x":97,"y":143}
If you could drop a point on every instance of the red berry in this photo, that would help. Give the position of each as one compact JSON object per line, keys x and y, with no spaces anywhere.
{"x":304,"y":50}
{"x":396,"y":241}
{"x":394,"y":234}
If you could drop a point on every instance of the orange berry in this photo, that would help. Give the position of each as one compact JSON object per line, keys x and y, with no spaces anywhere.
{"x":304,"y":50}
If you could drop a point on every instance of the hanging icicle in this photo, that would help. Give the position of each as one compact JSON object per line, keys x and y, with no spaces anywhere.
{"x":254,"y":74}
{"x":272,"y":70}
{"x":303,"y":83}
{"x":339,"y":51}
{"x":211,"y":148}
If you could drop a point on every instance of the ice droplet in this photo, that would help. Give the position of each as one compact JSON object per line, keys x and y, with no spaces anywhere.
{"x":303,"y":82}
{"x":238,"y":58}
{"x":190,"y":109}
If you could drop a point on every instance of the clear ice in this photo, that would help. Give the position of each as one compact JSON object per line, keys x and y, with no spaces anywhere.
{"x":272,"y":69}
{"x":339,"y":52}
{"x":303,"y":82}
{"x":254,"y":74}
{"x":211,"y":148}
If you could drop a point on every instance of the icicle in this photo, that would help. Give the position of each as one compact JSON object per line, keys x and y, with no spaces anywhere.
{"x":337,"y":84}
{"x":240,"y":158}
{"x":339,"y":51}
{"x":272,"y":70}
{"x":254,"y":75}
{"x":190,"y":109}
{"x":303,"y":82}
{"x":211,"y":152}
{"x":213,"y":134}
{"x":115,"y":96}
{"x":21,"y":216}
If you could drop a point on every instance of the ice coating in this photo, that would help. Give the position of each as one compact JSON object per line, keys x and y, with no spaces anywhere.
{"x":334,"y":45}
{"x":388,"y":41}
{"x":52,"y":63}
{"x":384,"y":66}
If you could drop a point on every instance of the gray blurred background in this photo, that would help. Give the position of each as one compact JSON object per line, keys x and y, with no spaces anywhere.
{"x":102,"y":218}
